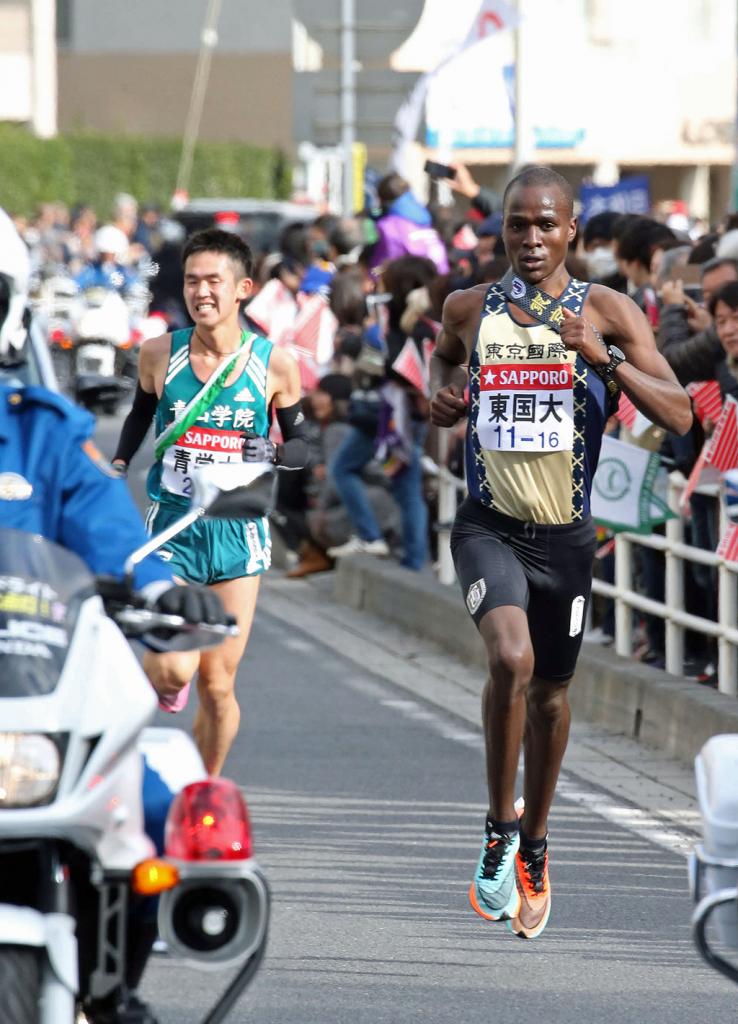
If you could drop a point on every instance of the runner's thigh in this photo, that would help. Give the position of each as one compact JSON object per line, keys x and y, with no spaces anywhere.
{"x":557,"y":609}
{"x":489,"y":573}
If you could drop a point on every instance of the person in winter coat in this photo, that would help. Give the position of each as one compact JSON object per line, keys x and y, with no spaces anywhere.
{"x":405,"y":227}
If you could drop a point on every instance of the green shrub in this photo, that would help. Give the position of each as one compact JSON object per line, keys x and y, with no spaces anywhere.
{"x":90,"y":168}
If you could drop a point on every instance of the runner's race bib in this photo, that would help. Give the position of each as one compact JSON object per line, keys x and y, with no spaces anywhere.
{"x":197,"y":447}
{"x":524,"y":408}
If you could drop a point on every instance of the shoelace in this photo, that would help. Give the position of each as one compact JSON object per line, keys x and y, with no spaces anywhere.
{"x":496,"y":848}
{"x":535,"y":868}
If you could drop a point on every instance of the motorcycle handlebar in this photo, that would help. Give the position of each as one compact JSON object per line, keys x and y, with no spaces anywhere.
{"x":135,"y":621}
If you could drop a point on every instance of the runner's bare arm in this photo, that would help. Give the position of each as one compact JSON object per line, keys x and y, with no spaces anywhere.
{"x":447,"y":374}
{"x":152,"y":364}
{"x":645,"y":377}
{"x":153,"y":360}
{"x":284,"y":380}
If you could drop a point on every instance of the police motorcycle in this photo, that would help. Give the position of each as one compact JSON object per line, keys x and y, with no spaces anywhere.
{"x":713,"y":865}
{"x":102,"y":369}
{"x":75,"y":861}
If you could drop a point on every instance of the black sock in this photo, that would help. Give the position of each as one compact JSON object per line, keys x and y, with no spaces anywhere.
{"x":533,"y":845}
{"x":502,"y":828}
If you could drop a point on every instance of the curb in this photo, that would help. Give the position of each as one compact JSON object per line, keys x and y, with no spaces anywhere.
{"x":676,"y":716}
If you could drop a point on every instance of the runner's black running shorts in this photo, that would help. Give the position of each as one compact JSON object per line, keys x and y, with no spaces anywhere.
{"x":545,"y":570}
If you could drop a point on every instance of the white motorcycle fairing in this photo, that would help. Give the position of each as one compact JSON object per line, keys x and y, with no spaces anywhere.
{"x":98,"y":800}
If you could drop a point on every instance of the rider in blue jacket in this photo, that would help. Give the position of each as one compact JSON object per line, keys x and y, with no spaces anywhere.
{"x":55,"y":482}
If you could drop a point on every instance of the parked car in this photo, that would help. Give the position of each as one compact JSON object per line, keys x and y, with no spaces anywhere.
{"x":258,"y":221}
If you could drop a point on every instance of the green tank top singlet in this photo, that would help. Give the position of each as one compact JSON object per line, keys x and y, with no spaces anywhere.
{"x":217,"y":434}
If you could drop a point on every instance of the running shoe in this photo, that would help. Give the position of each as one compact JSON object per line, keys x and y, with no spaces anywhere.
{"x":534,"y":887}
{"x":358,"y":546}
{"x":493,"y":892}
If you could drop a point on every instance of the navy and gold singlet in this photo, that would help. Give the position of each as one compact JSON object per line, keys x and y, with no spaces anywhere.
{"x":537,"y":415}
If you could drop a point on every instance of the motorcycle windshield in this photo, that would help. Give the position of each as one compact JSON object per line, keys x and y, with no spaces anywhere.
{"x":42,"y":587}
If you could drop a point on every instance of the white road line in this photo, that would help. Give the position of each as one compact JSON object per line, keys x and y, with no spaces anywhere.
{"x":646,"y":823}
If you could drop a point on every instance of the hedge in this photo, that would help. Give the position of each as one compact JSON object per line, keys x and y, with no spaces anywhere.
{"x":90,"y":168}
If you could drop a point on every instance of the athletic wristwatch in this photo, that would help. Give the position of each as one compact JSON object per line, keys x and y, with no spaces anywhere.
{"x":607,"y":371}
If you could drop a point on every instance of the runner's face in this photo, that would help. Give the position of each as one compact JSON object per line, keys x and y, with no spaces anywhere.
{"x":537,"y":229}
{"x":212,"y":290}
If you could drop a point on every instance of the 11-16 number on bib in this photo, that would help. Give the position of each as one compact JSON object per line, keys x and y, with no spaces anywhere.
{"x":526,"y":408}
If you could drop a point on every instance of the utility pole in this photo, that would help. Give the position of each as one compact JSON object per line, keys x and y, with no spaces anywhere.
{"x":208,"y":42}
{"x":733,"y":204}
{"x":43,"y":68}
{"x":524,"y":152}
{"x":348,"y":101}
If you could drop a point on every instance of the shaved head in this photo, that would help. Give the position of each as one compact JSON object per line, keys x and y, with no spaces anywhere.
{"x":537,"y":176}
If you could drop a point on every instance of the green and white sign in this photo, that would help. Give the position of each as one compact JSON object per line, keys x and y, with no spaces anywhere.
{"x":627,"y":488}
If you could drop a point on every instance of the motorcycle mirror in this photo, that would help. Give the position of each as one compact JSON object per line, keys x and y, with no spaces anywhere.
{"x":244,"y":490}
{"x":231,"y":490}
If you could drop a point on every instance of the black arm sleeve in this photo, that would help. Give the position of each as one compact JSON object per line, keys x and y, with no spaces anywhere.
{"x":136,"y":423}
{"x":293,"y":452}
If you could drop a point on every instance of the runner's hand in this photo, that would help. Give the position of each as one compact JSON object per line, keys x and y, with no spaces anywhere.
{"x":448,"y":407}
{"x":258,"y":449}
{"x":578,"y":336}
{"x":195,"y":603}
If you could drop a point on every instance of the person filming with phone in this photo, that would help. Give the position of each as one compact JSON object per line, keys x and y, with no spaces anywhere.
{"x":405,"y":227}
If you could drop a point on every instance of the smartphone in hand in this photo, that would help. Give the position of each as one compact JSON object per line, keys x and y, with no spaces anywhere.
{"x":436,"y":170}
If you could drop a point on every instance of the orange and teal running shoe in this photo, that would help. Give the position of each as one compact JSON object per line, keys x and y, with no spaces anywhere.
{"x":493,"y":892}
{"x":534,"y":888}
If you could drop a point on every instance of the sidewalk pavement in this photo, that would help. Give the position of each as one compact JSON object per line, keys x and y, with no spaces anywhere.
{"x":675,"y":716}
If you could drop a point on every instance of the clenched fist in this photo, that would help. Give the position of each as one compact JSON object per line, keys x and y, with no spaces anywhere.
{"x":447,"y":407}
{"x":579,"y":336}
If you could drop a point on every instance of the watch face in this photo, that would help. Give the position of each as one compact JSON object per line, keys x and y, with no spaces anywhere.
{"x":616,"y":353}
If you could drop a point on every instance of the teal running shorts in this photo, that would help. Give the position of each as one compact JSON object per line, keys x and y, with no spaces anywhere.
{"x":212,"y":550}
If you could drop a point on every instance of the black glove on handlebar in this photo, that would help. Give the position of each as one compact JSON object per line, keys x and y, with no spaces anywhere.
{"x":195,"y":603}
{"x":258,"y":449}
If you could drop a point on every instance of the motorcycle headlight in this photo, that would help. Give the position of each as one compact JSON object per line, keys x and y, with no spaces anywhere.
{"x":29,"y":768}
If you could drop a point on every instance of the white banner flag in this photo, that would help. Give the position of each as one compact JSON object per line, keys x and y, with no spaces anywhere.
{"x":624,"y":488}
{"x":491,"y":17}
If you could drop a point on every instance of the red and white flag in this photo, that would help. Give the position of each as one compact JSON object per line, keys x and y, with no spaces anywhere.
{"x":274,"y":309}
{"x":314,"y":329}
{"x":728,"y":546}
{"x":706,"y":399}
{"x":410,"y":365}
{"x":719,"y":453}
{"x":631,"y":417}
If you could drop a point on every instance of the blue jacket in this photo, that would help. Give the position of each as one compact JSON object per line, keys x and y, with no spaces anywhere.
{"x":53,"y":481}
{"x":113,"y":276}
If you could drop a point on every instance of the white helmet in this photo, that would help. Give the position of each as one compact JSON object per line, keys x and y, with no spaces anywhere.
{"x":15,"y":270}
{"x":111,"y":239}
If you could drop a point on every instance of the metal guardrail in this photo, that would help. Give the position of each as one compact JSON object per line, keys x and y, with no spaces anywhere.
{"x":671,"y":610}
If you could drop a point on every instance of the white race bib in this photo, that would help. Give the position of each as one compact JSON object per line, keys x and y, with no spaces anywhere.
{"x":524,"y":408}
{"x":198,"y":446}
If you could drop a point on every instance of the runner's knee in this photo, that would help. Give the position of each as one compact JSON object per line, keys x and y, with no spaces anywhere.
{"x":547,"y":701}
{"x":215,"y":688}
{"x":511,"y":665}
{"x":169,"y":671}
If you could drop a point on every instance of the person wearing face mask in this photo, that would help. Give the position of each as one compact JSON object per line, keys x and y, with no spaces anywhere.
{"x":319,"y":271}
{"x":599,"y":251}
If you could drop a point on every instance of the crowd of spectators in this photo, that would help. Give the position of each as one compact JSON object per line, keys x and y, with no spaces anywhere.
{"x":359,"y":302}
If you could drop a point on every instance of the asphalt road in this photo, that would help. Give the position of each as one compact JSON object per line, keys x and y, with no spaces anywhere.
{"x":367,"y":809}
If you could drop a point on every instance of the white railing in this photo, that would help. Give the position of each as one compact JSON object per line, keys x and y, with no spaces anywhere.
{"x":671,"y":610}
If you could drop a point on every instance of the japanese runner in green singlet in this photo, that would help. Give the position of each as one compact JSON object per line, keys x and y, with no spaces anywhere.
{"x":209,"y":551}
